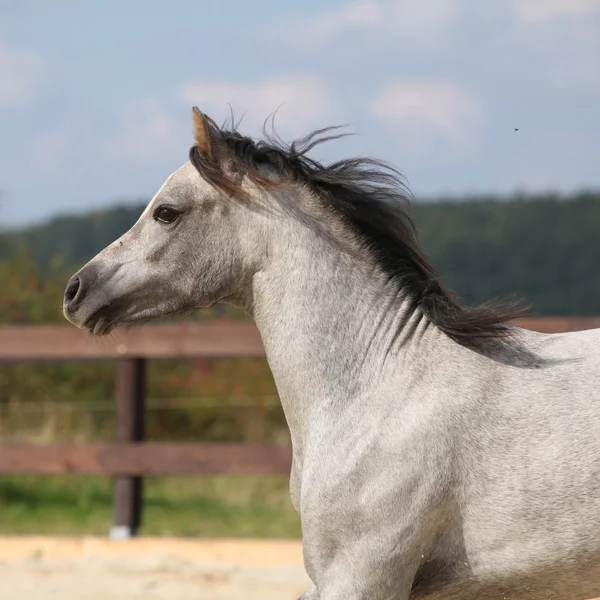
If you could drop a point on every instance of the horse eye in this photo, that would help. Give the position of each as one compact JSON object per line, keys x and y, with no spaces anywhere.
{"x":165,"y":214}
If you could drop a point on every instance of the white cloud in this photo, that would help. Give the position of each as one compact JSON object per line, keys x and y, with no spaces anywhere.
{"x":327,"y":25}
{"x":404,"y":19}
{"x":301,"y":101}
{"x":417,"y":18}
{"x":428,"y":112}
{"x":19,"y":74}
{"x":562,"y":35}
{"x":539,"y":11}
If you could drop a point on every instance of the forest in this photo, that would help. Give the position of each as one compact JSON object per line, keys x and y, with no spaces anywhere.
{"x":542,"y":249}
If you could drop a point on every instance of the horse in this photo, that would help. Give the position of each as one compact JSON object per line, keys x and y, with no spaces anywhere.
{"x":439,"y":451}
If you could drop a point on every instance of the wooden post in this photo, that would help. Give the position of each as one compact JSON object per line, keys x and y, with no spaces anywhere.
{"x":130,"y":392}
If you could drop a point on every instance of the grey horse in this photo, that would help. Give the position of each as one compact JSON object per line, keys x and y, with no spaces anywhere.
{"x":438,"y":451}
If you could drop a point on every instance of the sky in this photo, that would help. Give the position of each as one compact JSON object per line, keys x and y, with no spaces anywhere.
{"x":462,"y":96}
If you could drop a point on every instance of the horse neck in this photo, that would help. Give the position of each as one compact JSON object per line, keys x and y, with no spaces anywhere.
{"x":333,"y":326}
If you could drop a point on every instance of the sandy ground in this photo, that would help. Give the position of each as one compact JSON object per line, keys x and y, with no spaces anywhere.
{"x":152,"y":569}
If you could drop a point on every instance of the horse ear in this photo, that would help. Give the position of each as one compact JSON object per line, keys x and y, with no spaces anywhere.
{"x":202,"y":133}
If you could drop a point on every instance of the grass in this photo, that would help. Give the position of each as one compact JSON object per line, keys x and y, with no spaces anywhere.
{"x":185,"y":507}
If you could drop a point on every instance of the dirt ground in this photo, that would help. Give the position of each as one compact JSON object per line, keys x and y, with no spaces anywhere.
{"x":150,"y":569}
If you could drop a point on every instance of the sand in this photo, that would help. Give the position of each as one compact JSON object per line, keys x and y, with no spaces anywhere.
{"x":152,"y":569}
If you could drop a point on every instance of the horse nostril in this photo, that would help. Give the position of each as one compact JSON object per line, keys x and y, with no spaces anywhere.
{"x":73,"y":288}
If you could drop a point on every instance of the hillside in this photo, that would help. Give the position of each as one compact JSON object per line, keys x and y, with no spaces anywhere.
{"x":544,"y":249}
{"x":73,"y":238}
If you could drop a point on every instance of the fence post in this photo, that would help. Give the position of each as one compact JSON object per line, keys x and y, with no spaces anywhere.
{"x":127,"y":495}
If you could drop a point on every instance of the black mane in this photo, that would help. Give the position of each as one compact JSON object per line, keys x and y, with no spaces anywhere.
{"x":372,"y":199}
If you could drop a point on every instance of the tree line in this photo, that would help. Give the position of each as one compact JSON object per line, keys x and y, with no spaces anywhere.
{"x":543,"y":249}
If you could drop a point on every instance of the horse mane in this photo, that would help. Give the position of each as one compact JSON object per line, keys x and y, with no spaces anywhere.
{"x":372,"y":199}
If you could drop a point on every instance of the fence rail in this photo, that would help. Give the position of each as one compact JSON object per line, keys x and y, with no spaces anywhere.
{"x":39,"y":343}
{"x":145,"y":459}
{"x":130,"y":458}
{"x":181,"y":340}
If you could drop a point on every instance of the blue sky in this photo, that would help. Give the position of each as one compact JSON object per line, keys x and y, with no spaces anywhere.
{"x":95,"y":96}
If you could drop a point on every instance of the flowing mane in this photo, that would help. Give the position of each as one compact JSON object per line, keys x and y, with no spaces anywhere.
{"x":371,"y":199}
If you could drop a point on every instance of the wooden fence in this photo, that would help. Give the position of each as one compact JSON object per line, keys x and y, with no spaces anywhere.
{"x":130,"y":457}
